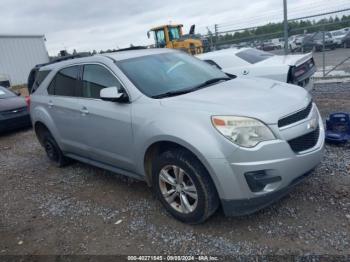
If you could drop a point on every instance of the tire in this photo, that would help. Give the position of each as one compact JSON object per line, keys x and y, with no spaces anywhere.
{"x":53,"y":151}
{"x":346,"y":45}
{"x":195,"y":177}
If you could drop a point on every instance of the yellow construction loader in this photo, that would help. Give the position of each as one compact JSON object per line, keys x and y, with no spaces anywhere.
{"x":171,"y":36}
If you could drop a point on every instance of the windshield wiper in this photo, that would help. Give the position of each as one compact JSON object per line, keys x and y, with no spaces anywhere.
{"x":188,"y":90}
{"x":173,"y":93}
{"x":210,"y":82}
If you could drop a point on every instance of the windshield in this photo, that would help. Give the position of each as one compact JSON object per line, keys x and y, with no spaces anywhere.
{"x":4,"y":93}
{"x":159,"y":74}
{"x":253,"y":56}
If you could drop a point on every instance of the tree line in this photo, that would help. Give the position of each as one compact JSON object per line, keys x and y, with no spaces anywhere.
{"x":275,"y":30}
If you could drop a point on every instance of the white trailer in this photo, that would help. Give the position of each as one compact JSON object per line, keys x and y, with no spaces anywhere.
{"x":19,"y":54}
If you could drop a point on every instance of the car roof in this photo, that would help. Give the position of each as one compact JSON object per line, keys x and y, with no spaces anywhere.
{"x":122,"y":55}
{"x":116,"y":56}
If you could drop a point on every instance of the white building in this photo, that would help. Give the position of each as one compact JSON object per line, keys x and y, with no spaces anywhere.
{"x":19,"y":54}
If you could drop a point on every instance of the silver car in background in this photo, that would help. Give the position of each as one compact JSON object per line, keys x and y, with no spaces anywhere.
{"x":199,"y":137}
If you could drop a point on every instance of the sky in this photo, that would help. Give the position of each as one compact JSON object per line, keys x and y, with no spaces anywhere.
{"x":87,"y":25}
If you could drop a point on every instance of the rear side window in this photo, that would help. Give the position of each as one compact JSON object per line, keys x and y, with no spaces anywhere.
{"x":65,"y":82}
{"x":40,"y":77}
{"x":96,"y":77}
{"x":253,"y":56}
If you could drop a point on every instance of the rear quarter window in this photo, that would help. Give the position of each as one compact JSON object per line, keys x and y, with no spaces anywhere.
{"x":40,"y":77}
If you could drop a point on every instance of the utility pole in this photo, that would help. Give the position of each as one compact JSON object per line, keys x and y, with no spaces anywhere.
{"x":323,"y":52}
{"x":211,"y":39}
{"x":216,"y":34}
{"x":285,"y":23}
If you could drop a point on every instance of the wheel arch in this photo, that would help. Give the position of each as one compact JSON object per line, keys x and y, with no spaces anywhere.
{"x":158,"y":147}
{"x":40,"y":128}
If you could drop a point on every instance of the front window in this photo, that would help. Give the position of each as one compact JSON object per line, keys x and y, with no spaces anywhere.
{"x":174,"y":33}
{"x":159,"y":74}
{"x":160,"y":38}
{"x":95,"y":78}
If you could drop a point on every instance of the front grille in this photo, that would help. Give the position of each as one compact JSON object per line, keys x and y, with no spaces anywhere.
{"x":300,"y":115}
{"x":305,"y":142}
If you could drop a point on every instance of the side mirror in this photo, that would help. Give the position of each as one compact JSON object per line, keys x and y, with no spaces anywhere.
{"x":148,"y":34}
{"x":113,"y":94}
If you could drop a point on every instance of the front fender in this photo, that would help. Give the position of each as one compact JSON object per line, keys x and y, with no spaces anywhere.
{"x":198,"y":136}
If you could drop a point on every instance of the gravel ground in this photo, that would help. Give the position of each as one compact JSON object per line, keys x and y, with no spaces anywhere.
{"x":85,"y":210}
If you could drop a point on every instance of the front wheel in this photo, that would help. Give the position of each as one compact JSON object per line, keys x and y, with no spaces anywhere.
{"x":184,"y":187}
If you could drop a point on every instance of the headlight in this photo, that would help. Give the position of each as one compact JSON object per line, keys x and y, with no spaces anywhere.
{"x":243,"y":131}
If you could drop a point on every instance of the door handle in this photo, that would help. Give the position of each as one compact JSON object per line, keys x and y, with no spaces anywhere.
{"x":50,"y":103}
{"x":84,"y":111}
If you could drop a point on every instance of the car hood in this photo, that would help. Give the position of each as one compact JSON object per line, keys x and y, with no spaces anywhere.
{"x":12,"y":103}
{"x":290,"y":60}
{"x":253,"y":97}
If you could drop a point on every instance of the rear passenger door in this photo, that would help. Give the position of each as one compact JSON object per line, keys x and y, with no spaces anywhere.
{"x":64,"y":108}
{"x":107,"y":124}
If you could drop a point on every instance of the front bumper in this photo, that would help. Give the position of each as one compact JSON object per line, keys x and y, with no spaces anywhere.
{"x":248,"y":206}
{"x":276,"y":158}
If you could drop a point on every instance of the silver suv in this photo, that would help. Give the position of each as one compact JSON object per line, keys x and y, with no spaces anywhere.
{"x":199,"y":137}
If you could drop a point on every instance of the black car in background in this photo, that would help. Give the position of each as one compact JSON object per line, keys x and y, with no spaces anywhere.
{"x":14,"y":111}
{"x":314,"y":42}
{"x":346,"y":40}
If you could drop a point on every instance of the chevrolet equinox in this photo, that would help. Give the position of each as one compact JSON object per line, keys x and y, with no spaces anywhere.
{"x":200,"y":138}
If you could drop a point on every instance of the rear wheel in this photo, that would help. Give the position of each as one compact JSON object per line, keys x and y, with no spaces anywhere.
{"x":184,"y":187}
{"x":346,"y":45}
{"x":53,"y":151}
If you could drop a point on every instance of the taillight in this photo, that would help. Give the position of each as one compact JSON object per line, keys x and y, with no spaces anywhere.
{"x":27,"y":98}
{"x":299,"y":72}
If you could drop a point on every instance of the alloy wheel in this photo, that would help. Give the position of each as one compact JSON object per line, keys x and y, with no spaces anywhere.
{"x":178,"y":189}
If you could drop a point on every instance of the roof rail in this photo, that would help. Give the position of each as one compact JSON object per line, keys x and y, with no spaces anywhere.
{"x":64,"y":58}
{"x":131,"y":48}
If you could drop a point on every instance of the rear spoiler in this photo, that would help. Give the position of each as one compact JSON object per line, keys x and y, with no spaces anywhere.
{"x":302,"y":60}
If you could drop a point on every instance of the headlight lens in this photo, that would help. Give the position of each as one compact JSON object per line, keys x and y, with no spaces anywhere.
{"x":243,"y":131}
